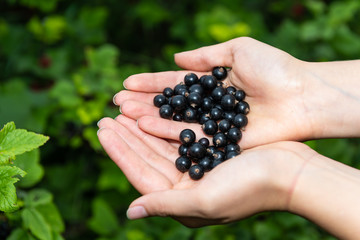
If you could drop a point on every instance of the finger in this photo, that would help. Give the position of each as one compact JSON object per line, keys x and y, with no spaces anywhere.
{"x":168,"y":129}
{"x":135,"y":109}
{"x":205,"y":58}
{"x":141,"y":175}
{"x":159,"y":145}
{"x":164,"y":165}
{"x":125,"y":95}
{"x":156,"y":82}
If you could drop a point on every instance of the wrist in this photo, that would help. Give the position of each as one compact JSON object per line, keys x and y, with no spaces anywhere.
{"x":332,"y":99}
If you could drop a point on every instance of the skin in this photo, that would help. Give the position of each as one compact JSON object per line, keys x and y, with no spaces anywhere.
{"x":290,"y":100}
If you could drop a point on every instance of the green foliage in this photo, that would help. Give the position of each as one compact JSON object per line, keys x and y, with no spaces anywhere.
{"x":61,"y":62}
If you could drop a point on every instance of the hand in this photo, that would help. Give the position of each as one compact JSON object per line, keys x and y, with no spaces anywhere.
{"x":258,"y":180}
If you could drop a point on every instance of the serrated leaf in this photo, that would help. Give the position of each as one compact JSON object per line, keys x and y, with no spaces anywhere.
{"x":29,"y":162}
{"x":10,"y":126}
{"x":19,"y":141}
{"x":36,"y":223}
{"x":8,"y":198}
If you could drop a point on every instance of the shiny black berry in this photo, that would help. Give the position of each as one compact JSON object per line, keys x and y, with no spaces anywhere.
{"x":228,"y":102}
{"x":183,"y":163}
{"x":216,"y":113}
{"x":234,"y":135}
{"x":183,"y":150}
{"x":206,"y":163}
{"x":229,"y":116}
{"x":194,"y":99}
{"x":178,"y":88}
{"x":242,"y":107}
{"x":240,"y":95}
{"x":196,"y":172}
{"x":231,"y":90}
{"x":178,"y":102}
{"x":196,"y":88}
{"x":190,"y":79}
{"x":240,"y":120}
{"x":203,"y":118}
{"x":209,"y":82}
{"x":196,"y":151}
{"x":160,"y":100}
{"x":218,"y":93}
{"x":187,"y":137}
{"x":210,"y":127}
{"x":168,"y":92}
{"x":166,"y":111}
{"x":207,"y":104}
{"x":204,"y":141}
{"x":177,"y":117}
{"x":190,"y":115}
{"x":232,"y":147}
{"x":210,"y":151}
{"x":219,"y":155}
{"x":219,"y":72}
{"x":231,"y":154}
{"x":216,"y":162}
{"x":224,"y":125}
{"x":219,"y":140}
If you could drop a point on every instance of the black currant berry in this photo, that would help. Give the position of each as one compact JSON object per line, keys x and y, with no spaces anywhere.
{"x":178,"y":102}
{"x":215,"y":163}
{"x":196,"y":88}
{"x":190,"y":115}
{"x":203,"y":118}
{"x":220,"y":73}
{"x":206,"y":163}
{"x":204,"y":141}
{"x":240,"y":95}
{"x":229,"y":116}
{"x":196,"y":172}
{"x":210,"y":127}
{"x":240,"y":120}
{"x":228,"y":102}
{"x":242,"y":107}
{"x":166,"y":111}
{"x":177,"y":117}
{"x":224,"y":125}
{"x":234,"y":135}
{"x":231,"y":154}
{"x":219,"y":155}
{"x":196,"y":151}
{"x":232,"y":147}
{"x":216,"y":113}
{"x":183,"y":150}
{"x":160,"y":100}
{"x":183,"y":163}
{"x":210,"y":151}
{"x":194,"y":99}
{"x":218,"y":93}
{"x":187,"y":137}
{"x":168,"y":92}
{"x":209,"y":82}
{"x":207,"y":104}
{"x":179,"y":87}
{"x":231,"y":90}
{"x":219,"y":140}
{"x":191,"y":79}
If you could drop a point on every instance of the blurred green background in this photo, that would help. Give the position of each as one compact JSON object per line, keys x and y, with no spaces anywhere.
{"x":61,"y":61}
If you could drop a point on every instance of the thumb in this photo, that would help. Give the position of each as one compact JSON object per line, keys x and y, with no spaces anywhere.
{"x":205,"y":58}
{"x":164,"y":203}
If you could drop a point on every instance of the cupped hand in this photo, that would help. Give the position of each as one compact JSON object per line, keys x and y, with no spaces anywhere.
{"x":259,"y":179}
{"x":271,"y":78}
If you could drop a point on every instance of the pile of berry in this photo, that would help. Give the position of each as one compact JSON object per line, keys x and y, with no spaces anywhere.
{"x":220,"y":109}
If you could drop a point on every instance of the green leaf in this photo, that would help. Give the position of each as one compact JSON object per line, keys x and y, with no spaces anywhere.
{"x":19,"y":141}
{"x":29,"y":162}
{"x":36,"y":223}
{"x":38,"y":197}
{"x":104,"y":220}
{"x":20,"y":234}
{"x":52,"y":216}
{"x":10,"y":126}
{"x":8,"y":198}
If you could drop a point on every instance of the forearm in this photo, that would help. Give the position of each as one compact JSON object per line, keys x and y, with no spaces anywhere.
{"x":327,"y":193}
{"x":332,"y":96}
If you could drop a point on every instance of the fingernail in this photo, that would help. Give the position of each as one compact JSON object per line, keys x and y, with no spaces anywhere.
{"x":120,"y":109}
{"x":136,"y":212}
{"x":98,"y":131}
{"x":124,"y":84}
{"x":98,"y":123}
{"x":114,"y":99}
